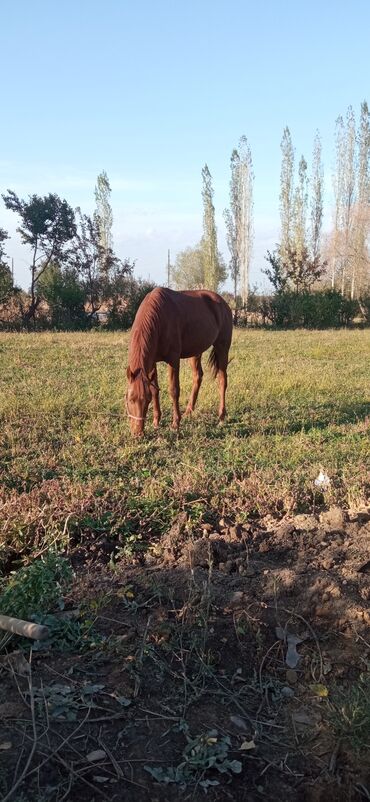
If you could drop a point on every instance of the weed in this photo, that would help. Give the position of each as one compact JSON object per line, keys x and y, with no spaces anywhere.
{"x":36,"y":588}
{"x":61,"y":701}
{"x":203,"y":755}
{"x":350,"y":714}
{"x":67,"y":635}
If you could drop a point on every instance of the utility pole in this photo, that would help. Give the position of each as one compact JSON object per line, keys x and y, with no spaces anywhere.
{"x":12,"y":271}
{"x":168,"y":268}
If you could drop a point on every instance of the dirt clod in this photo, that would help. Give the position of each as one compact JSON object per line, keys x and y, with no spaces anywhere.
{"x":333,"y":520}
{"x":291,"y":676}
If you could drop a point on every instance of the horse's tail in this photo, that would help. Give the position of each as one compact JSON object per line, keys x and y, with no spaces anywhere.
{"x":213,"y":362}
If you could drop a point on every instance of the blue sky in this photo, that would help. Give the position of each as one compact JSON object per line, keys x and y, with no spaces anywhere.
{"x":150,"y":91}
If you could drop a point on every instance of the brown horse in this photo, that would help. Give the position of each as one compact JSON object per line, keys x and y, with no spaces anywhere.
{"x":170,"y":326}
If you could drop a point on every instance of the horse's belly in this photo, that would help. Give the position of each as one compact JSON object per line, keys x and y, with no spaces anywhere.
{"x":196,"y":347}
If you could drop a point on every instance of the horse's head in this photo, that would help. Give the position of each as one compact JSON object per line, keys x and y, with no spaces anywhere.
{"x":138,"y":398}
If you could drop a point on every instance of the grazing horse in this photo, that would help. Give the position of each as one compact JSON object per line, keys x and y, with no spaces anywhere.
{"x":170,"y":326}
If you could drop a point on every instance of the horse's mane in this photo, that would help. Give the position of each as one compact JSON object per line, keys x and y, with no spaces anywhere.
{"x":146,"y":327}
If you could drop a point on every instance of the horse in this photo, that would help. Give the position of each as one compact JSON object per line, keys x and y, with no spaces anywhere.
{"x":170,"y":326}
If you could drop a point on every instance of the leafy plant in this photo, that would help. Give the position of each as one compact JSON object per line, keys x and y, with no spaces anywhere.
{"x":64,"y":701}
{"x":204,"y":753}
{"x":36,"y":588}
{"x":67,"y":635}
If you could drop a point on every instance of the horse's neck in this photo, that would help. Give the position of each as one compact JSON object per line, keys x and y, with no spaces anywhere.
{"x":143,"y":353}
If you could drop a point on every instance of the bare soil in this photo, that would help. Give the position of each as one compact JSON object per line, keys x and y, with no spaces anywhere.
{"x":256,"y":632}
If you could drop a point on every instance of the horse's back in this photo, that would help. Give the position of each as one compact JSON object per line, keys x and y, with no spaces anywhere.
{"x":188,"y":322}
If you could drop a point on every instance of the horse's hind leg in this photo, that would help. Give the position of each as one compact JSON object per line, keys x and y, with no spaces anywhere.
{"x":174,"y":381}
{"x":222,"y":354}
{"x":222,"y":378}
{"x":196,"y":366}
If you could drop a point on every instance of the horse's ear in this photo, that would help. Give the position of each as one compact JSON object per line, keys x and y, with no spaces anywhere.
{"x":132,"y":374}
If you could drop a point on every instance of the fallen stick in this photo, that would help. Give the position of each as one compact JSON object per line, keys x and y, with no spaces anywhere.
{"x":24,"y":628}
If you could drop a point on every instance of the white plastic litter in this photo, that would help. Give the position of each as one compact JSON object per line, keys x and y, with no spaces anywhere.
{"x":322,"y":480}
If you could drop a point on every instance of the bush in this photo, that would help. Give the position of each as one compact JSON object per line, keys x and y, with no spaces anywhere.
{"x":11,"y":318}
{"x":35,"y":588}
{"x":123,"y":309}
{"x":64,"y":295}
{"x":364,"y":305}
{"x":326,"y":309}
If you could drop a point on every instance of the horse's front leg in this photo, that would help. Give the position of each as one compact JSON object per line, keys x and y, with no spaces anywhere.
{"x":174,"y":382}
{"x":154,"y":389}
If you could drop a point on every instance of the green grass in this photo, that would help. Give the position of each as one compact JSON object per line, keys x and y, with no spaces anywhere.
{"x":350,"y":714}
{"x":297,"y":401}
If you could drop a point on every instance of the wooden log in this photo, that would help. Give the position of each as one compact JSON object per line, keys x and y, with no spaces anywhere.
{"x":24,"y":628}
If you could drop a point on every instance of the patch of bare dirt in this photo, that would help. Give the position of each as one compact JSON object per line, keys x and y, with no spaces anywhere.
{"x":230,"y":637}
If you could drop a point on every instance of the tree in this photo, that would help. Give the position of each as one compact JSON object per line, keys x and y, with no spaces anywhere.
{"x":62,"y":290}
{"x":103,"y":214}
{"x":286,"y":193}
{"x":349,"y":190}
{"x":123,"y":308}
{"x":209,"y":239}
{"x":361,"y":219}
{"x":6,"y":278}
{"x":298,"y":272}
{"x":87,"y":256}
{"x":47,"y":225}
{"x":232,"y":246}
{"x":300,"y":211}
{"x":348,"y":242}
{"x":239,"y":218}
{"x":317,"y":180}
{"x":276,"y":273}
{"x":334,"y":246}
{"x":188,"y":270}
{"x":3,"y":236}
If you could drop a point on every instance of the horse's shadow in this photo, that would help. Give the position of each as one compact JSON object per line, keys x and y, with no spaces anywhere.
{"x":248,"y":422}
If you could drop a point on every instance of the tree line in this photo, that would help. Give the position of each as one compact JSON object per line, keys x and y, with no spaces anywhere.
{"x":77,"y":280}
{"x":317,"y":279}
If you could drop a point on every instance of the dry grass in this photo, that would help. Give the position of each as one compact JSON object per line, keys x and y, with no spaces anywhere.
{"x":297,"y":401}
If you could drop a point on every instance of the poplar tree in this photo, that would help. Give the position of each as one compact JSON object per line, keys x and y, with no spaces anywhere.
{"x":335,"y":240}
{"x":300,"y":210}
{"x":209,"y":239}
{"x":296,"y":264}
{"x":317,"y":181}
{"x":349,"y":251}
{"x":232,"y":217}
{"x":239,"y":218}
{"x":286,"y":194}
{"x":103,"y":214}
{"x":212,"y":264}
{"x":360,"y":258}
{"x":349,"y":196}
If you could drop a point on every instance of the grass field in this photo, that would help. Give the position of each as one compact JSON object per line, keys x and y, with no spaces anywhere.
{"x":195,"y":558}
{"x":297,"y":401}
